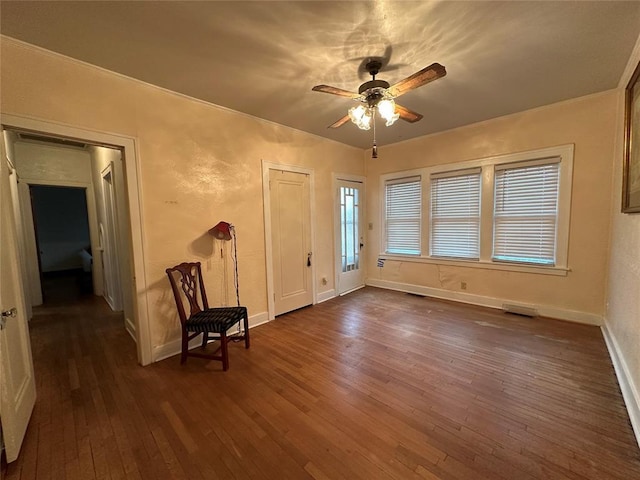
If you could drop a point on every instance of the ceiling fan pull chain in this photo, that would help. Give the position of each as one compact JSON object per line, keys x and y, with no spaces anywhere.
{"x":374,"y":150}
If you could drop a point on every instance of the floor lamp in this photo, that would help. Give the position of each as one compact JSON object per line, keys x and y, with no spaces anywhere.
{"x":225,"y":231}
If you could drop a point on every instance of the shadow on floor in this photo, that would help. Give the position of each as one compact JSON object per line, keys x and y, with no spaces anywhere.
{"x":66,"y":286}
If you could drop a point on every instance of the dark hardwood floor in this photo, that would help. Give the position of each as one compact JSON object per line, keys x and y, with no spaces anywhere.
{"x":374,"y":385}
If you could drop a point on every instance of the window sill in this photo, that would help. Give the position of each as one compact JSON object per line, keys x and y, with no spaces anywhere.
{"x":484,"y":264}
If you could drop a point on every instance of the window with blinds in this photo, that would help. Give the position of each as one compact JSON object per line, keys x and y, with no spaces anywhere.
{"x":455,"y":214}
{"x":403,"y":212}
{"x":526,"y":212}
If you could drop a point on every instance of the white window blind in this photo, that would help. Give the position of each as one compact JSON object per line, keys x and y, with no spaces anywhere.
{"x":403,"y":215}
{"x":455,"y":214}
{"x":526,"y":212}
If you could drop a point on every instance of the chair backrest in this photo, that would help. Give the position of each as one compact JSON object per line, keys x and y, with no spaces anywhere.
{"x":187,"y":278}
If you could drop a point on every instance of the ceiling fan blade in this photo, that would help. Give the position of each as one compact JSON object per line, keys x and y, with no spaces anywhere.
{"x":407,"y":115}
{"x":340,"y":122}
{"x":424,"y":76}
{"x":335,"y":91}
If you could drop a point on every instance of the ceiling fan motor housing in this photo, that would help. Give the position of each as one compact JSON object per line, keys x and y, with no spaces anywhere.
{"x":371,"y":84}
{"x":374,"y":90}
{"x":373,"y":97}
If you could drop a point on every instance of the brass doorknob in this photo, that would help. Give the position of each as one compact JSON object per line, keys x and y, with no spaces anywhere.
{"x":12,"y":312}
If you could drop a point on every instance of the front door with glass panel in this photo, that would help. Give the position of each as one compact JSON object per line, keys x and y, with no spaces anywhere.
{"x":351,"y":241}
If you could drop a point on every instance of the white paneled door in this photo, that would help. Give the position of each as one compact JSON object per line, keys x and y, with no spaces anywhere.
{"x":351,"y":238}
{"x":291,"y":240}
{"x":17,"y":383}
{"x":108,"y":244}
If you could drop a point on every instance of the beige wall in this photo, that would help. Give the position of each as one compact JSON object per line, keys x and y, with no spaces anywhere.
{"x":622,"y":317}
{"x":587,"y":122}
{"x":199,"y":164}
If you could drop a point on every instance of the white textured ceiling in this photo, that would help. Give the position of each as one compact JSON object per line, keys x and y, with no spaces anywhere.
{"x":262,"y":58}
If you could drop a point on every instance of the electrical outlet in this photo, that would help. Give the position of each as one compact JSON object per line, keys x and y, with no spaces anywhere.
{"x":463,"y":285}
{"x":324,"y":280}
{"x":370,"y":226}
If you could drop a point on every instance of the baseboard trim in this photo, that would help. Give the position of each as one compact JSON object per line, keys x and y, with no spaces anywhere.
{"x":328,"y":295}
{"x":492,"y":302}
{"x":625,"y":380}
{"x":352,"y":290}
{"x":130,"y":328}
{"x":258,"y":319}
{"x":174,"y":347}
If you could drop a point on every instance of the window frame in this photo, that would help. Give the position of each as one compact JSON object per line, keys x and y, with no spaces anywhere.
{"x":565,"y":153}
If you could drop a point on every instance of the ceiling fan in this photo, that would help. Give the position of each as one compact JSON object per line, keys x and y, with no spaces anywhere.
{"x":379,"y":95}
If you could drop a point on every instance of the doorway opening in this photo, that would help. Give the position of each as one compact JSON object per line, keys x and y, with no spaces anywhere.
{"x":63,"y":243}
{"x":70,"y":218}
{"x":110,"y":161}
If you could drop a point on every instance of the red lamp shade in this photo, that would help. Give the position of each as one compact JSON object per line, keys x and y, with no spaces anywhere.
{"x":222,"y":231}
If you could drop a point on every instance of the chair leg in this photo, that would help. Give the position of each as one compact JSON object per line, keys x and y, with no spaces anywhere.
{"x":246,"y":332}
{"x":205,"y":339}
{"x":225,"y":353}
{"x":185,"y":347}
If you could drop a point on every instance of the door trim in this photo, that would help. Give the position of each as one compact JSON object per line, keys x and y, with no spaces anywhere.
{"x":129,"y":146}
{"x":337,"y":266}
{"x":266,"y":196}
{"x":109,"y":201}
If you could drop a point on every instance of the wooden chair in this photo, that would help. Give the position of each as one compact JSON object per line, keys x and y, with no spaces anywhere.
{"x":186,"y":281}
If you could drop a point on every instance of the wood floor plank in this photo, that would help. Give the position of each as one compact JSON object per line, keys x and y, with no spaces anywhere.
{"x":375,"y":384}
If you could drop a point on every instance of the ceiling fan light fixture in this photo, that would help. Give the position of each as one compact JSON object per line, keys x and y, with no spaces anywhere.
{"x":361,"y":116}
{"x":387,"y":110}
